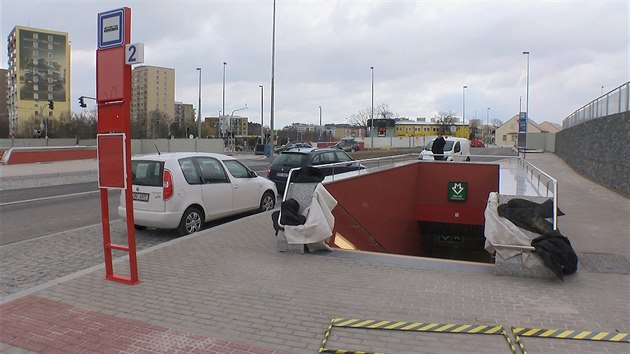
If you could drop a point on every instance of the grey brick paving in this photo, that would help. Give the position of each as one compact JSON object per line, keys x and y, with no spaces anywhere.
{"x":229,"y":278}
{"x":229,"y":282}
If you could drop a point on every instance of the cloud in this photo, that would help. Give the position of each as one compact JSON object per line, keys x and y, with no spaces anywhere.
{"x":423,"y":52}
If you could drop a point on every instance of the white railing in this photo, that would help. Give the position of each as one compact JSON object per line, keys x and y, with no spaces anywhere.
{"x":613,"y":102}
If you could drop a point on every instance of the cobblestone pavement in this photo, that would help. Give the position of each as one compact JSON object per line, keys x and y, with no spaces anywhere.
{"x":33,"y":262}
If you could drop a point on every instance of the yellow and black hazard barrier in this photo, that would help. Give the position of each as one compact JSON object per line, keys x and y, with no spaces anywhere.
{"x":619,"y":337}
{"x":411,"y":327}
{"x":572,"y":334}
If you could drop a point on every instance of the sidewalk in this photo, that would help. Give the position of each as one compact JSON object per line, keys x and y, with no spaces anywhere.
{"x":226,"y":290}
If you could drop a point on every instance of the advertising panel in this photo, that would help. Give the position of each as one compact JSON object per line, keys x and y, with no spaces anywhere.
{"x":42,"y":65}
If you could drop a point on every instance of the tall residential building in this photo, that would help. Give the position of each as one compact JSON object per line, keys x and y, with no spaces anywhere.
{"x":184,"y":116}
{"x":152,"y":95}
{"x":4,"y":110}
{"x":39,"y":71}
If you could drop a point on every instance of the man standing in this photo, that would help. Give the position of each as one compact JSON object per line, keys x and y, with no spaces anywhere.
{"x":438,"y":147}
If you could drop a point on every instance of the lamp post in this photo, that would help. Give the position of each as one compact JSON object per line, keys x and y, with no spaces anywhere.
{"x":199,"y":107}
{"x":527,"y":89}
{"x":487,"y":124}
{"x":319,"y":138}
{"x":372,"y":114}
{"x":262,"y":133}
{"x":524,"y":134}
{"x":464,"y":104}
{"x":273,"y":63}
{"x":224,"y":64}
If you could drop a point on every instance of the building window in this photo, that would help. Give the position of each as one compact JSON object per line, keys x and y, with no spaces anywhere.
{"x":35,"y":95}
{"x":35,"y":53}
{"x":504,"y":137}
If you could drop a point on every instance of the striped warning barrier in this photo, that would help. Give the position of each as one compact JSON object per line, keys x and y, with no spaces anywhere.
{"x":572,"y":334}
{"x":412,"y":327}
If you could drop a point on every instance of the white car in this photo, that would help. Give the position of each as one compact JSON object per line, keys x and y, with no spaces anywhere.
{"x":455,"y":149}
{"x":184,"y":190}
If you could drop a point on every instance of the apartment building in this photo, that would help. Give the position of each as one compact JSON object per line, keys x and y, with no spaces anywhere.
{"x":153,"y":96}
{"x":38,"y":72}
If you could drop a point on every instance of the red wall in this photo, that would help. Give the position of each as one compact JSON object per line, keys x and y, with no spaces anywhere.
{"x":380,"y":211}
{"x":383,"y":204}
{"x":433,"y":179}
{"x":45,"y":155}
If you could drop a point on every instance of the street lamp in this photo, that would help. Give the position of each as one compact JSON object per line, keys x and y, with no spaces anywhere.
{"x":602,"y":93}
{"x":273,"y":64}
{"x":319,"y":139}
{"x":372,"y":115}
{"x":527,"y":90}
{"x":524,"y":134}
{"x":487,"y":125}
{"x":262,"y":133}
{"x":232,"y":130}
{"x":224,"y":64}
{"x":199,"y":118}
{"x":464,"y":104}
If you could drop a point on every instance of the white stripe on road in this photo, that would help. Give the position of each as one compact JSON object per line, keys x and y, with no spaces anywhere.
{"x":47,"y":198}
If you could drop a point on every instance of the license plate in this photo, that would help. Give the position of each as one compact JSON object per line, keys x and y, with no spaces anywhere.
{"x":142,"y":197}
{"x":282,"y":174}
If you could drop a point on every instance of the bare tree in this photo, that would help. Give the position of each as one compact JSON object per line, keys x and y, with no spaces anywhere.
{"x":445,"y":119}
{"x":361,"y":118}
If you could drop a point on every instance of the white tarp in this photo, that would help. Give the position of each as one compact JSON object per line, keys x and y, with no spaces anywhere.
{"x":319,"y":220}
{"x":501,"y":231}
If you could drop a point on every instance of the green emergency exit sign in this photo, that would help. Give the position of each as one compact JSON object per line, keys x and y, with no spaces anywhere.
{"x":457,"y":190}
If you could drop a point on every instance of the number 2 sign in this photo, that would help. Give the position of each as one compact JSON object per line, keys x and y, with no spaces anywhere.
{"x":134,"y":53}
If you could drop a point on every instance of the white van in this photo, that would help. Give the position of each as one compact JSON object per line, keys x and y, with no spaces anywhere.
{"x":455,"y":149}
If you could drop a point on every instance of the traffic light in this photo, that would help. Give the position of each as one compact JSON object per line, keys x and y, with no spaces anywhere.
{"x":51,"y":104}
{"x":82,"y":102}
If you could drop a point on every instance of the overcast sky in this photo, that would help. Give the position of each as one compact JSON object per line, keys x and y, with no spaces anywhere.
{"x":423,"y":53}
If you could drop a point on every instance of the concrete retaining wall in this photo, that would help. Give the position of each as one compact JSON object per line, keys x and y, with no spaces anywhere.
{"x":599,"y":149}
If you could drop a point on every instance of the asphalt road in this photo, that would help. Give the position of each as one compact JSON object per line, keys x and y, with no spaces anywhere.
{"x":34,"y":212}
{"x":29,"y":213}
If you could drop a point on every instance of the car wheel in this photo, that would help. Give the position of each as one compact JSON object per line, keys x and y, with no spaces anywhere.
{"x":267,"y":202}
{"x":192,"y":221}
{"x":139,"y":227}
{"x":353,"y":150}
{"x":468,"y":158}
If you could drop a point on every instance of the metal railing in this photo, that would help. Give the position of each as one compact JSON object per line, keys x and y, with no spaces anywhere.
{"x":613,"y":102}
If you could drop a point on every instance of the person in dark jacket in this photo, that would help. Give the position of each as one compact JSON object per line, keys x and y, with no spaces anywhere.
{"x":438,"y":147}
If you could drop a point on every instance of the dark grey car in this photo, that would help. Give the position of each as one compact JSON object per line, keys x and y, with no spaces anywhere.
{"x":283,"y":163}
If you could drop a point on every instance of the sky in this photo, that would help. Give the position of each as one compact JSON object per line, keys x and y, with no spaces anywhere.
{"x":423,"y":53}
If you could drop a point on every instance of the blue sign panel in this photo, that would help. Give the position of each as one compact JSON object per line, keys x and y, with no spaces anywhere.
{"x":111,"y":28}
{"x":522,"y":122}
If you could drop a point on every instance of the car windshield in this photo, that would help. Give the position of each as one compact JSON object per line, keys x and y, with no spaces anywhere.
{"x":146,"y":173}
{"x":448,"y":146}
{"x":290,"y":159}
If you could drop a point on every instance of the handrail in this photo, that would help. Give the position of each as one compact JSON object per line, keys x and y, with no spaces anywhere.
{"x":593,"y":109}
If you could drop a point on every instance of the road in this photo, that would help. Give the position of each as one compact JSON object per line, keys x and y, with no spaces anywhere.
{"x":29,"y":213}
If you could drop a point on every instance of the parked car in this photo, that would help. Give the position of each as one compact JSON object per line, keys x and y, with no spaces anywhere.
{"x":184,"y":190}
{"x":477,"y":143}
{"x":292,"y":146}
{"x":283,"y":163}
{"x":455,"y":149}
{"x":348,"y":144}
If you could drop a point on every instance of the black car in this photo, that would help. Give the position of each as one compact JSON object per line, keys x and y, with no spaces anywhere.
{"x":283,"y":163}
{"x":292,"y":146}
{"x":347,"y":144}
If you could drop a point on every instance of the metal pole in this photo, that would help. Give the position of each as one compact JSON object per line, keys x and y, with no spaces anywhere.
{"x":487,"y":125}
{"x":223,"y":110}
{"x":199,"y":118}
{"x":464,"y":104}
{"x":320,"y":124}
{"x":526,"y":103}
{"x":372,"y":115}
{"x":273,"y":62}
{"x":262,"y":133}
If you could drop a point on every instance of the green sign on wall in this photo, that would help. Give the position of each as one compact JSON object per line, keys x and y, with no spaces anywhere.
{"x":457,"y":190}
